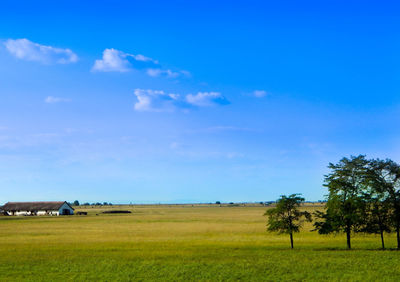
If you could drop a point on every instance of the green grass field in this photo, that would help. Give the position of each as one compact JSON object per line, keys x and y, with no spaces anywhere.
{"x":182,"y":243}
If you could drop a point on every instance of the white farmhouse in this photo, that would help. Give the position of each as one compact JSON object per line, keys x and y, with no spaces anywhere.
{"x":38,"y":208}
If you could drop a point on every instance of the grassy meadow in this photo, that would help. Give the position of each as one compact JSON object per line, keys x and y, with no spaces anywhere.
{"x":184,"y":242}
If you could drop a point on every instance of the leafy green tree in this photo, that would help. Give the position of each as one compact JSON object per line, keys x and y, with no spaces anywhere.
{"x":384,"y":177}
{"x":76,"y":203}
{"x":286,"y":216}
{"x":377,"y":217}
{"x":345,"y":207}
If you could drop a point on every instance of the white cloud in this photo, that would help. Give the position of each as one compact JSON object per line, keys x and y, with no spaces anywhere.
{"x":117,"y":61}
{"x":143,"y":58}
{"x":167,"y":73}
{"x":154,"y":100}
{"x":160,"y":72}
{"x":158,"y":100}
{"x":260,"y":93}
{"x":53,"y":100}
{"x":27,"y":50}
{"x":206,"y":99}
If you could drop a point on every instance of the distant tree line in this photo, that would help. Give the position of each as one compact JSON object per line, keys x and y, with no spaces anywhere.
{"x":364,"y":197}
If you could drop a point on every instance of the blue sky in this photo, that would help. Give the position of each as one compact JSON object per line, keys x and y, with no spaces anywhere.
{"x":171,"y":101}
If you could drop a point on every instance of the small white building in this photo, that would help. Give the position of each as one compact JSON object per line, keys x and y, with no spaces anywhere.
{"x":38,"y":208}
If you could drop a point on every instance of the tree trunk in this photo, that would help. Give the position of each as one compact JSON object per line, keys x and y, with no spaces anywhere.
{"x":291,"y":240}
{"x":383,"y":241}
{"x":381,"y":231}
{"x":348,"y":233}
{"x":397,"y":218}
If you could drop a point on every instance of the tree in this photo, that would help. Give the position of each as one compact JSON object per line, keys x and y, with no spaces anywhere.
{"x":286,"y":216}
{"x":384,"y":176}
{"x":345,"y":207}
{"x":377,"y":216}
{"x":76,"y":203}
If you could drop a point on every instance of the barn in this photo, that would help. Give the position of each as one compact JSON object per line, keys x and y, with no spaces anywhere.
{"x":38,"y":208}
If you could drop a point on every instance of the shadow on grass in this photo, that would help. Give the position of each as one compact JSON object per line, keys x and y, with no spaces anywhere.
{"x":353,"y":249}
{"x":383,"y":250}
{"x":323,"y":249}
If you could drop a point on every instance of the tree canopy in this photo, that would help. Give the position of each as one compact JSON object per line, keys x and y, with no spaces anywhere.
{"x":286,"y":216}
{"x":364,"y":196}
{"x":344,"y":207}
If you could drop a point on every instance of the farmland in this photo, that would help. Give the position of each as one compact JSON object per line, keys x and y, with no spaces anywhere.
{"x":168,"y":242}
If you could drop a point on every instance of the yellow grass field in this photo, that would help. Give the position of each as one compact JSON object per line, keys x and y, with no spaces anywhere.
{"x":182,"y":242}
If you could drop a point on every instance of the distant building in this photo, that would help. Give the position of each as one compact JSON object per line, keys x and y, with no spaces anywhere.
{"x":38,"y":208}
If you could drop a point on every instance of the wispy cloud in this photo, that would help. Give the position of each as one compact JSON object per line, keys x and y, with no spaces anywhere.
{"x":118,"y":61}
{"x":160,"y":101}
{"x":154,"y":100}
{"x":222,"y":128}
{"x":53,"y":100}
{"x":25,"y":49}
{"x":160,"y":72}
{"x":260,"y":93}
{"x":28,"y":140}
{"x":206,"y":99}
{"x":167,"y":73}
{"x":228,"y":128}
